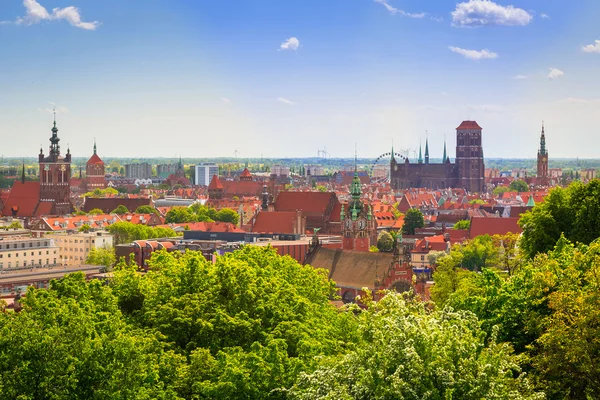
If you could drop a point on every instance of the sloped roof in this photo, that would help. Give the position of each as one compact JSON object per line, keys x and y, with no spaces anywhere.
{"x":308,"y":202}
{"x":493,"y":226}
{"x":275,"y":222}
{"x":246,"y":174}
{"x":24,"y":197}
{"x":94,"y":159}
{"x":215,"y":183}
{"x":352,"y":269}
{"x":469,"y":125}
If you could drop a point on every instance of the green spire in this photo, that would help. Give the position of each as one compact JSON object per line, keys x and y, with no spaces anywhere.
{"x":426,"y":150}
{"x":420,"y":161}
{"x":94,"y":145}
{"x":355,"y":191}
{"x":543,"y":141}
{"x":530,"y":202}
{"x":444,"y":157}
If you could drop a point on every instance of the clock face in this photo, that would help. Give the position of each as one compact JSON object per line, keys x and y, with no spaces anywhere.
{"x":46,"y":168}
{"x":362,"y":224}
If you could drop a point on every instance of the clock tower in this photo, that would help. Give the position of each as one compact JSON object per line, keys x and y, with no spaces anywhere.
{"x":358,"y":224}
{"x":55,"y":176}
{"x":542,"y":160}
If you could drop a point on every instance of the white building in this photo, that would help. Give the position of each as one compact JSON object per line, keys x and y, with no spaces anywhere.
{"x":19,"y":252}
{"x":205,"y":172}
{"x":280,"y":170}
{"x":74,"y":248}
{"x":314,"y":169}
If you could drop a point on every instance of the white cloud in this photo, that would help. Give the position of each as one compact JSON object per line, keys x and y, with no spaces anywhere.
{"x":225,"y":100}
{"x":544,"y":16}
{"x":35,"y":13}
{"x":290,"y":44}
{"x":592,"y":48}
{"x":520,"y":77}
{"x":486,"y":12}
{"x":437,"y":19}
{"x":393,"y":10}
{"x":555,"y":73}
{"x":285,"y":101}
{"x":474,"y":54}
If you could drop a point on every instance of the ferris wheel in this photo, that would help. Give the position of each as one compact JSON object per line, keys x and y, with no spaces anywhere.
{"x":379,"y":161}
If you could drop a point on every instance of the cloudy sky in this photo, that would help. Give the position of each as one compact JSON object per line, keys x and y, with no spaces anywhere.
{"x":285,"y":78}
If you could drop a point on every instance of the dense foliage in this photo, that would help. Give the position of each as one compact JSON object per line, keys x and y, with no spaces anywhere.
{"x":127,"y":232}
{"x":385,"y":241}
{"x":146,"y":210}
{"x":572,"y":211}
{"x":413,"y":220}
{"x":463,"y":224}
{"x":253,"y":325}
{"x":201,"y":213}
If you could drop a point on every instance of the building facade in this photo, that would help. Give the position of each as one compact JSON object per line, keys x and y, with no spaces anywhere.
{"x":138,"y":171}
{"x":205,"y":172}
{"x":467,"y":172}
{"x":74,"y":248}
{"x":359,"y":227}
{"x":55,"y":176}
{"x":542,"y":159}
{"x":94,"y":172}
{"x":27,"y":252}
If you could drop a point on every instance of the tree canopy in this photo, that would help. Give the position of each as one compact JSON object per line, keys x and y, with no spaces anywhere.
{"x":146,"y":210}
{"x":518,"y":185}
{"x":463,"y":224}
{"x":126,"y":232}
{"x":201,"y":213}
{"x":412,"y":220}
{"x":120,"y":210}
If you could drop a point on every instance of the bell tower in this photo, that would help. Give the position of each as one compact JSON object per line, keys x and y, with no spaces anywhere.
{"x":469,"y":156}
{"x":358,"y":224}
{"x":542,"y":159}
{"x":55,"y":176}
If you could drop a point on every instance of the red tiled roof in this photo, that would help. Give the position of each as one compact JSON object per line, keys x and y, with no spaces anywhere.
{"x":493,"y":226}
{"x":246,"y":173}
{"x":308,"y":202}
{"x":275,"y":222}
{"x":431,"y":243}
{"x":44,"y":208}
{"x":23,"y":197}
{"x":469,"y":125}
{"x":215,"y":183}
{"x":94,"y":159}
{"x":76,"y":221}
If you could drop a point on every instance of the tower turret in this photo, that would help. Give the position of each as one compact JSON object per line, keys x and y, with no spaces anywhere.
{"x":426,"y":150}
{"x":542,"y":159}
{"x":420,"y":160}
{"x":444,"y":156}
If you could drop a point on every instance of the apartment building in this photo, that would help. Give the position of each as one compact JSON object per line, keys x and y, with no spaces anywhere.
{"x":25,"y":252}
{"x":74,"y":248}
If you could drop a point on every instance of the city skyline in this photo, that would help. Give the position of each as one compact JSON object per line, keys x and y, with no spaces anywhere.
{"x":217,"y":77}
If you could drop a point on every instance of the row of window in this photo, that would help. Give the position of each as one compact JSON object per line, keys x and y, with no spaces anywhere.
{"x":25,"y":264}
{"x":16,"y":245}
{"x":25,"y":254}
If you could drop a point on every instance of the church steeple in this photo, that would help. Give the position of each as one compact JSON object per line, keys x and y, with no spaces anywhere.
{"x":54,"y":146}
{"x":543,"y":141}
{"x":426,"y":150}
{"x":420,"y":160}
{"x":392,"y":159}
{"x":94,"y":145}
{"x":23,"y":173}
{"x":444,"y":157}
{"x":355,"y":205}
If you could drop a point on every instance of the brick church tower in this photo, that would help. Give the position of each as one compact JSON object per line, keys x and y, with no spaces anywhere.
{"x":94,"y":172}
{"x":469,"y":156}
{"x":542,"y":160}
{"x":359,"y":228}
{"x":55,"y":176}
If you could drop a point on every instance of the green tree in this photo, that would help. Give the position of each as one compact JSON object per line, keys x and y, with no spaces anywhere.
{"x":146,"y":210}
{"x":126,"y":232}
{"x":463,"y":224}
{"x":228,"y":215}
{"x":321,"y":188}
{"x":96,"y":211}
{"x":101,"y":256}
{"x":385,"y":242}
{"x":14,"y":225}
{"x":412,"y":220}
{"x":120,"y":210}
{"x":179,"y":215}
{"x":85,"y":228}
{"x":407,"y":352}
{"x":499,"y":190}
{"x":518,"y":185}
{"x":373,"y":249}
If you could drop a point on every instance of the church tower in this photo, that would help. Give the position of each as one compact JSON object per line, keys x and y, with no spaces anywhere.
{"x":542,"y":159}
{"x":94,"y":172}
{"x":55,"y":176}
{"x":359,"y":227}
{"x":469,"y":156}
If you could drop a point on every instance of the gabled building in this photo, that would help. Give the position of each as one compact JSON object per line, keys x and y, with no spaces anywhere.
{"x":94,"y":172}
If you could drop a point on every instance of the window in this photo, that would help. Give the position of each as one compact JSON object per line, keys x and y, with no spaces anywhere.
{"x":40,"y":253}
{"x":422,"y":258}
{"x":25,"y":263}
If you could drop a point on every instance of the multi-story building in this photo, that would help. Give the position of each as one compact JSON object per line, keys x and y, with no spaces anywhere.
{"x":74,"y":248}
{"x":94,"y":172}
{"x":311,"y":170}
{"x":587,"y":174}
{"x":27,"y":252}
{"x":164,"y":170}
{"x":138,"y":171}
{"x":205,"y":172}
{"x":280,"y":170}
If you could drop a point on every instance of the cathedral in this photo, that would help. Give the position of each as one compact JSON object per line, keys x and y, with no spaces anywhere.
{"x":466,"y":172}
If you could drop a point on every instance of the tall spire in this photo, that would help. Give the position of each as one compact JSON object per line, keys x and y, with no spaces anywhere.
{"x":543,"y":141}
{"x":355,"y":189}
{"x":444,"y":157}
{"x":392,"y":159}
{"x":54,"y":146}
{"x":420,"y":160}
{"x":94,"y":145}
{"x":426,"y":148}
{"x":23,"y":172}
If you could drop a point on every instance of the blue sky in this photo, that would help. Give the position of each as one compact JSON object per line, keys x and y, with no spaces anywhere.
{"x":285,"y":78}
